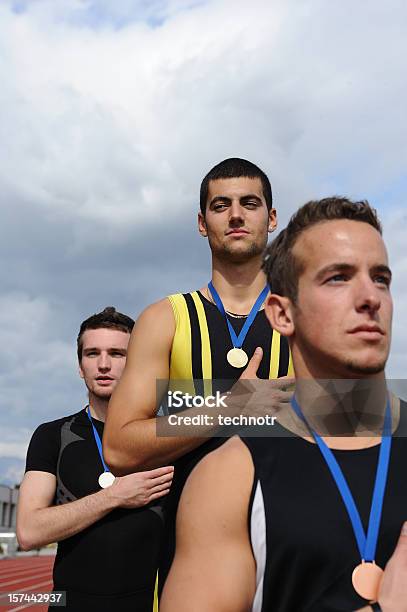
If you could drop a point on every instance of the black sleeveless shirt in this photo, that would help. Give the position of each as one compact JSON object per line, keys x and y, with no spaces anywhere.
{"x":300,"y":531}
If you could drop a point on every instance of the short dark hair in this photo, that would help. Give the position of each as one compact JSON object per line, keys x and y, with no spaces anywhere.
{"x":281,"y":267}
{"x":234,"y":167}
{"x":109,"y":318}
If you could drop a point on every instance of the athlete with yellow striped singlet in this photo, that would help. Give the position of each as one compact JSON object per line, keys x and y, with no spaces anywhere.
{"x":211,"y":337}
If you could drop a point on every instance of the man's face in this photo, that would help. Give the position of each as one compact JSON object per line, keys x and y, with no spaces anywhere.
{"x":342,"y":319}
{"x":237,"y":220}
{"x":104,"y":354}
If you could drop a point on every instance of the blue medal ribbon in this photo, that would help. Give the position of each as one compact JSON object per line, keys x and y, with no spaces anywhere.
{"x":366,"y":544}
{"x":237,"y":340}
{"x":97,"y":440}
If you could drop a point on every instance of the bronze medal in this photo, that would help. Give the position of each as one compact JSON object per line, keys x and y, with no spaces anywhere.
{"x":237,"y":357}
{"x":366,"y":579}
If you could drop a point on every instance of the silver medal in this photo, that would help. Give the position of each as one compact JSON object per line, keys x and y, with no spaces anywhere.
{"x":106,"y":479}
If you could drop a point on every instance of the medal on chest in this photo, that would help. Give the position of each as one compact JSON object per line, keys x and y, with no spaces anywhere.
{"x":366,"y":576}
{"x":106,"y":478}
{"x":236,"y":356}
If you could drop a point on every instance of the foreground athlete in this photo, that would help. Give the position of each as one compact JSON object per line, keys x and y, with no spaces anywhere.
{"x":187,"y":338}
{"x":268,"y":523}
{"x":108,"y":540}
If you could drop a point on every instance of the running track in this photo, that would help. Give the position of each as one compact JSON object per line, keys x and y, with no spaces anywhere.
{"x":25,"y":574}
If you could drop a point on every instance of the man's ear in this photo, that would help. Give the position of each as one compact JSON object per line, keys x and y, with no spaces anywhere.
{"x":278,"y":310}
{"x":272,"y":220}
{"x":81,"y":374}
{"x":202,"y":225}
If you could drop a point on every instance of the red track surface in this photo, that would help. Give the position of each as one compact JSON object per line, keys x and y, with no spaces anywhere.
{"x":25,"y":575}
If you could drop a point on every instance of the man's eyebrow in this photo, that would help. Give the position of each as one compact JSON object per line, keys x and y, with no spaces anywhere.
{"x":247,"y":196}
{"x":250,"y":196}
{"x":336,"y":267}
{"x":382,"y":269}
{"x":219,"y":198}
{"x":111,"y":348}
{"x":345,"y":267}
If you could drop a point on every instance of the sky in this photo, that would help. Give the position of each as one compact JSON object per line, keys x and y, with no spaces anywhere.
{"x":112,"y":112}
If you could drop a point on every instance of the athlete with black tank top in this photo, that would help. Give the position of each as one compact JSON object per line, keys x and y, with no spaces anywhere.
{"x":312,"y":516}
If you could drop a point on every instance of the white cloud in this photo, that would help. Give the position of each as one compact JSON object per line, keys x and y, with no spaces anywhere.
{"x":108,"y":124}
{"x":394,"y":235}
{"x":14,"y":442}
{"x":34,"y":362}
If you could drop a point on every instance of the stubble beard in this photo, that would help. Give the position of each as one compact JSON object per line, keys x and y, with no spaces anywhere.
{"x":105,"y":396}
{"x":359,"y":369}
{"x":235,"y":256}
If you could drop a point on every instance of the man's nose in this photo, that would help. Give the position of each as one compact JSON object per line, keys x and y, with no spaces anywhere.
{"x":104,"y":362}
{"x":368,"y":296}
{"x":236,"y":214}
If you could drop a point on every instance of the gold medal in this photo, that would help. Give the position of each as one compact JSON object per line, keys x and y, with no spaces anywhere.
{"x":366,"y":579}
{"x":106,"y":479}
{"x":237,"y":358}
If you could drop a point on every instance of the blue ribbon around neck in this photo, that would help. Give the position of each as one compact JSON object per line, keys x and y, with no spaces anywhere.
{"x":366,"y":544}
{"x":237,"y":340}
{"x":97,"y":440}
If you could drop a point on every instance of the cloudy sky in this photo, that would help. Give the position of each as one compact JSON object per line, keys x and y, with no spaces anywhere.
{"x":110,"y":115}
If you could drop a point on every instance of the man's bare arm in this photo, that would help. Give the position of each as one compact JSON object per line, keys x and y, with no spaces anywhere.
{"x":214,"y":568}
{"x":40,"y":523}
{"x":130,"y":442}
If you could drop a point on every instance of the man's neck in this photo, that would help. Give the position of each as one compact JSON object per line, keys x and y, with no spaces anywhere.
{"x":345,"y":407}
{"x":98,"y":407}
{"x":238,"y":285}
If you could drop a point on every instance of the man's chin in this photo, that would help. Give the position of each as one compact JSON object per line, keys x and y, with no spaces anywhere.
{"x":241,"y":252}
{"x":103,"y":394}
{"x":366,"y":369}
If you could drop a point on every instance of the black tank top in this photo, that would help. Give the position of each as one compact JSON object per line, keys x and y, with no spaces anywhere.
{"x":301,"y":535}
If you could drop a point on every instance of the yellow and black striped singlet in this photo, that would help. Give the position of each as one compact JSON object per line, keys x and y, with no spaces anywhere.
{"x":202,"y":340}
{"x":198,"y":355}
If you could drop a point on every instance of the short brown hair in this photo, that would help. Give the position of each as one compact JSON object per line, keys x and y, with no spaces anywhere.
{"x":281,"y":267}
{"x":109,"y":318}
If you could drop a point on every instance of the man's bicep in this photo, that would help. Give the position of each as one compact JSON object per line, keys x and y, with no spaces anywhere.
{"x":135,"y":396}
{"x":37,"y":491}
{"x":213,"y":567}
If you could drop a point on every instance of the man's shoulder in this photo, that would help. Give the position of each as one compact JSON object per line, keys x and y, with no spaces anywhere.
{"x":45,"y":444}
{"x":56,"y":424}
{"x":225,"y":462}
{"x":167,"y":310}
{"x":160,"y":309}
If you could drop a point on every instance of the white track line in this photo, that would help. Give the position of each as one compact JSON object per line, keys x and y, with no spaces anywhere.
{"x":22,"y":571}
{"x":25,"y":578}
